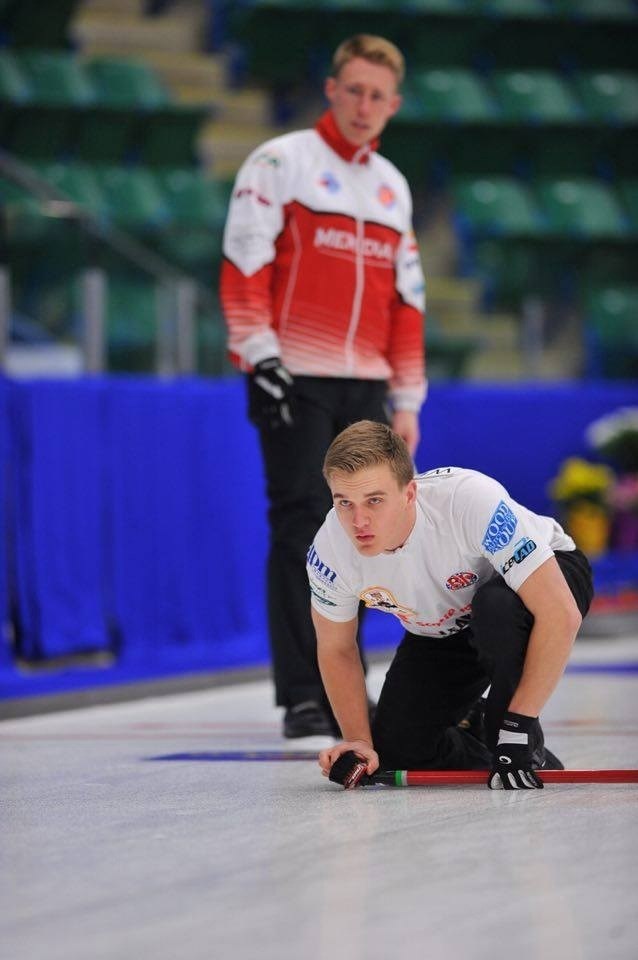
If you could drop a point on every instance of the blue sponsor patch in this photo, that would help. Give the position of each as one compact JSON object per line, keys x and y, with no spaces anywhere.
{"x":521,"y":550}
{"x":500,"y":529}
{"x":318,"y":568}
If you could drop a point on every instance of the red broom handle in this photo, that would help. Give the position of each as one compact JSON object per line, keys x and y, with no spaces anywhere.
{"x":431,"y":778}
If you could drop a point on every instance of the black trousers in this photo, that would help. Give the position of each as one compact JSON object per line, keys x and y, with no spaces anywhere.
{"x":298,"y":502}
{"x":432,"y":682}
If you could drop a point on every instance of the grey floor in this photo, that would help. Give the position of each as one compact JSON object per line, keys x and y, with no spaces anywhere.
{"x":109,"y":852}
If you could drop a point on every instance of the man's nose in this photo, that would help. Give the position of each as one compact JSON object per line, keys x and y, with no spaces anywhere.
{"x":360,"y":518}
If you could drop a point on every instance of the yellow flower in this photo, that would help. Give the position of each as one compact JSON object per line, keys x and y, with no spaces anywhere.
{"x":579,"y":478}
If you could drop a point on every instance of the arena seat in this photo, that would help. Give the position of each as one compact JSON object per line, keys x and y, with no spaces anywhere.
{"x":581,"y":208}
{"x":608,"y":96}
{"x":497,"y":206}
{"x":534,"y":96}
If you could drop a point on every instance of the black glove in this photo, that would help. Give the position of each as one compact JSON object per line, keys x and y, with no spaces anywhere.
{"x":512,"y":764}
{"x":349,"y":770}
{"x":271,"y":393}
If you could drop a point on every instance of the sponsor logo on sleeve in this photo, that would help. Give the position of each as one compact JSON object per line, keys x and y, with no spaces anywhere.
{"x":321,"y":599}
{"x":500,"y":529}
{"x":249,"y":192}
{"x":521,"y":551}
{"x":459,"y":580}
{"x":317,"y":567}
{"x":330,"y":182}
{"x":267,"y":159}
{"x":386,"y":196}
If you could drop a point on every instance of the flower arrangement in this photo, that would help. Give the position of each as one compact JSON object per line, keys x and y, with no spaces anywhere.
{"x":581,"y":490}
{"x":615,"y":438}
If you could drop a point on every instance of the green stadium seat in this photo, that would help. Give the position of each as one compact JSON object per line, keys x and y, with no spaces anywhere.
{"x":14,"y":87}
{"x":534,"y":96}
{"x":446,"y":96}
{"x":55,"y":91}
{"x":136,"y":118}
{"x":131,"y":326}
{"x":581,"y":207}
{"x":628,"y":192}
{"x":611,"y":328}
{"x":79,"y":183}
{"x":597,"y":9}
{"x":14,"y":94}
{"x":497,"y":206}
{"x":197,"y":208}
{"x":134,"y":197}
{"x":193,"y":198}
{"x":56,"y":78}
{"x":126,"y":83}
{"x":610,"y":96}
{"x":508,"y":8}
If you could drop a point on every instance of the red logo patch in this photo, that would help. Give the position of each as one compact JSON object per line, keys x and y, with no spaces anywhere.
{"x":459,"y":580}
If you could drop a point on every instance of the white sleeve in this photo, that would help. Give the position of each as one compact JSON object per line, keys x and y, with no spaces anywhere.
{"x":255,"y":211}
{"x":512,"y":538}
{"x":331,"y":596}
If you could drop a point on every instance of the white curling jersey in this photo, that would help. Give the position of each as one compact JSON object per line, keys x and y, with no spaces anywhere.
{"x":467,"y":530}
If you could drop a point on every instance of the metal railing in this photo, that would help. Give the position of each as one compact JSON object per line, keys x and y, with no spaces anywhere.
{"x":179,"y":296}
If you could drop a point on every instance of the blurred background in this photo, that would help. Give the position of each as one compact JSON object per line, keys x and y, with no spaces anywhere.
{"x":133,"y":517}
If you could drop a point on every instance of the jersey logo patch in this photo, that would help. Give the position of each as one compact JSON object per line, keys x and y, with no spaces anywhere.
{"x":380,"y":598}
{"x":500,"y":529}
{"x":330,"y":182}
{"x":318,"y":567}
{"x":386,"y":196}
{"x":522,"y":549}
{"x":459,"y":580}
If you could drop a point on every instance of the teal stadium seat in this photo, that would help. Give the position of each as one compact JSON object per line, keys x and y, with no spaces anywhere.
{"x":595,"y":9}
{"x":611,"y":319}
{"x":57,"y":91}
{"x":446,"y":96}
{"x":197,"y":208}
{"x":534,"y":96}
{"x":581,"y":208}
{"x":134,"y":197}
{"x":137,"y":117}
{"x":608,"y":96}
{"x":628,"y":193}
{"x":497,"y":206}
{"x":78,"y":182}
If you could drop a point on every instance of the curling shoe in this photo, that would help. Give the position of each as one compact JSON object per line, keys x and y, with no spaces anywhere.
{"x":308,"y":719}
{"x":474,"y":720}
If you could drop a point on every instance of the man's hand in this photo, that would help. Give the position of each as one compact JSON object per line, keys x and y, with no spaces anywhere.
{"x":512,"y":764}
{"x":406,"y":424}
{"x":362,"y":748}
{"x":271,"y":402}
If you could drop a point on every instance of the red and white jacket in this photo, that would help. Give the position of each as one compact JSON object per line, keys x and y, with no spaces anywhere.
{"x":321,"y":267}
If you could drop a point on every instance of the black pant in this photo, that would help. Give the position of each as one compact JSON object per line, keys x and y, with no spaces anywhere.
{"x":433,"y":682}
{"x":298,"y":502}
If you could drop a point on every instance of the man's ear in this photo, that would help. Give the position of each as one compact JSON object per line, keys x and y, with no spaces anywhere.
{"x":410,"y":492}
{"x":329,"y":88}
{"x":395,"y":105}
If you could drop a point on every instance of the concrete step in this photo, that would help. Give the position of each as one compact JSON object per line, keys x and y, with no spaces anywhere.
{"x":169,"y":32}
{"x":132,"y":8}
{"x":223,"y":147}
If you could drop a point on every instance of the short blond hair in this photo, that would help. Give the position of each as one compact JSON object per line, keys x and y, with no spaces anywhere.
{"x":368,"y":47}
{"x":368,"y":444}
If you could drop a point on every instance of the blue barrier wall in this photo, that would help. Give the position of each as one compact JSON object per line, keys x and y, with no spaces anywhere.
{"x":134,"y":517}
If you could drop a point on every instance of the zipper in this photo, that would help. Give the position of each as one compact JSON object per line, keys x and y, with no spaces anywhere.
{"x":356,"y":300}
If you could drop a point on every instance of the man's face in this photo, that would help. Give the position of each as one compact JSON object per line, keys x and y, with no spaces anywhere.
{"x":376,"y":513}
{"x":363,"y":98}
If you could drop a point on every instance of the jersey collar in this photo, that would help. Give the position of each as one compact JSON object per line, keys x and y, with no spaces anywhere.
{"x":327,"y":128}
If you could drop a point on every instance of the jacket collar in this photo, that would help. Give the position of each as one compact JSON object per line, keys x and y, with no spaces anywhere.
{"x":327,"y":128}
